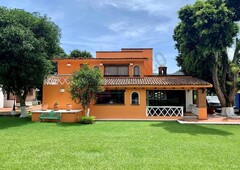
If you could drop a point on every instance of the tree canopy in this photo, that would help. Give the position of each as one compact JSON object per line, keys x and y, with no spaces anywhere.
{"x":86,"y":83}
{"x":205,"y":31}
{"x":27,"y":43}
{"x":80,"y":54}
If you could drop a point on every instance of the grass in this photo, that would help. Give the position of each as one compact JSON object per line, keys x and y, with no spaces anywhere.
{"x":117,"y":145}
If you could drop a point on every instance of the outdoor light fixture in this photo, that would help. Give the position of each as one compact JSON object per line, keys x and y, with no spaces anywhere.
{"x":101,"y":64}
{"x":131,"y":64}
{"x":62,"y":90}
{"x":69,"y":64}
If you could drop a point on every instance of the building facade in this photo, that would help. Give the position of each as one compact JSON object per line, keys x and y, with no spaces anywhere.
{"x":132,"y":92}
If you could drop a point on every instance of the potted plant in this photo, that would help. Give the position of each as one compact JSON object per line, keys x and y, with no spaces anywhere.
{"x":56,"y":106}
{"x":68,"y":107}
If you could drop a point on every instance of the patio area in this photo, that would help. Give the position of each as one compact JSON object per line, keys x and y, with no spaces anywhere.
{"x":7,"y":111}
{"x":214,"y":119}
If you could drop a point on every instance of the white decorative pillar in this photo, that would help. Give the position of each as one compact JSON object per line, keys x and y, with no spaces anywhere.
{"x":189,"y":100}
{"x":1,"y":98}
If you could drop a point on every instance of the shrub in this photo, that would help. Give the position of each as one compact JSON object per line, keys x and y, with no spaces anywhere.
{"x":87,"y":120}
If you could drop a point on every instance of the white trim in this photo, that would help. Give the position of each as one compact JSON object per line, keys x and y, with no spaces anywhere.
{"x":128,"y":119}
{"x":138,"y":98}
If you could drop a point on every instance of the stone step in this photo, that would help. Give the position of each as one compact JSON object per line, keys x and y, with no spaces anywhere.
{"x":190,"y":117}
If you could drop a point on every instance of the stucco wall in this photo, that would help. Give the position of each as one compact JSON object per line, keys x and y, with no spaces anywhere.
{"x":125,"y":111}
{"x":51,"y":94}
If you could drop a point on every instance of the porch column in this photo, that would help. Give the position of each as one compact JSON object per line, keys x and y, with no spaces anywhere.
{"x":201,"y":104}
{"x":189,"y":100}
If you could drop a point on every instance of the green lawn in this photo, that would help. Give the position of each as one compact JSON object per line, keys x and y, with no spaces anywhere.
{"x":117,"y":145}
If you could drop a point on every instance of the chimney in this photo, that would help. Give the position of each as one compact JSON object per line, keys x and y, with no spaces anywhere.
{"x":162,"y":70}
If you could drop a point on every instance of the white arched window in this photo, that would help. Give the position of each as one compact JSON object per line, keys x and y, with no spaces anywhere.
{"x":136,"y":71}
{"x":135,"y":98}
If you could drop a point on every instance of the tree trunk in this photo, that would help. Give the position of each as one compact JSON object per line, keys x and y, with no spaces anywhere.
{"x":216,"y":83}
{"x":22,"y":98}
{"x":225,"y":100}
{"x":23,"y":112}
{"x":87,"y":110}
{"x":228,"y":111}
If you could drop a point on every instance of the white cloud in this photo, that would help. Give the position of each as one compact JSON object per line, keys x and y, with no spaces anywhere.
{"x":153,"y":7}
{"x":118,"y":26}
{"x":128,"y":30}
{"x":164,"y":28}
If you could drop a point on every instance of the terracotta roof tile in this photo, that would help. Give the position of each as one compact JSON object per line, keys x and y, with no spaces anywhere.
{"x":107,"y":58}
{"x":156,"y":81}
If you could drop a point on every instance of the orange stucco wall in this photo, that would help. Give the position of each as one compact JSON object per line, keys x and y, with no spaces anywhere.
{"x":104,"y":111}
{"x":201,"y":103}
{"x":126,"y":111}
{"x":68,"y":66}
{"x":53,"y":94}
{"x":63,"y":67}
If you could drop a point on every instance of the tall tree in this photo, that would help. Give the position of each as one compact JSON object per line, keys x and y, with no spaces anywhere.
{"x":85,"y":85}
{"x":206,"y":30}
{"x":27,"y":43}
{"x":80,"y":54}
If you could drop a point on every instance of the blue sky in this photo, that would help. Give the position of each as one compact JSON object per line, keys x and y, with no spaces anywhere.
{"x":110,"y":25}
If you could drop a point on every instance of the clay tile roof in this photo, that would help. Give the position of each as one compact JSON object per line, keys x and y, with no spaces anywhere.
{"x":122,"y":58}
{"x":156,"y":81}
{"x":107,"y":58}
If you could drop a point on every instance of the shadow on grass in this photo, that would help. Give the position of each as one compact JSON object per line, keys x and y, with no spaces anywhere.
{"x":12,"y":121}
{"x":174,"y":127}
{"x":68,"y":124}
{"x":73,"y":124}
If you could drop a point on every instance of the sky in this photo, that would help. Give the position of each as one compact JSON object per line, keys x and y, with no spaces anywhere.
{"x":109,"y":25}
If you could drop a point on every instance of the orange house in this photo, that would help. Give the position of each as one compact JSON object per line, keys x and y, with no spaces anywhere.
{"x":132,"y":92}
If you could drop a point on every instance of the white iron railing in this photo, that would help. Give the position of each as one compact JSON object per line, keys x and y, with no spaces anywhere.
{"x":164,"y":111}
{"x":57,"y":80}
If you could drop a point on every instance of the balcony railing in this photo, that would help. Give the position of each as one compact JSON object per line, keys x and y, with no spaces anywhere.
{"x":57,"y":80}
{"x":164,"y":111}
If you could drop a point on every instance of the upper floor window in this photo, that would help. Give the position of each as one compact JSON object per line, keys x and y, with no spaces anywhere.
{"x":135,"y":98}
{"x":136,"y":71}
{"x":116,"y":70}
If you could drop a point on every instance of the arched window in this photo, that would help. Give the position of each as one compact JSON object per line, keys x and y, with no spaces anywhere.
{"x":136,"y":71}
{"x":135,"y":98}
{"x":96,"y":67}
